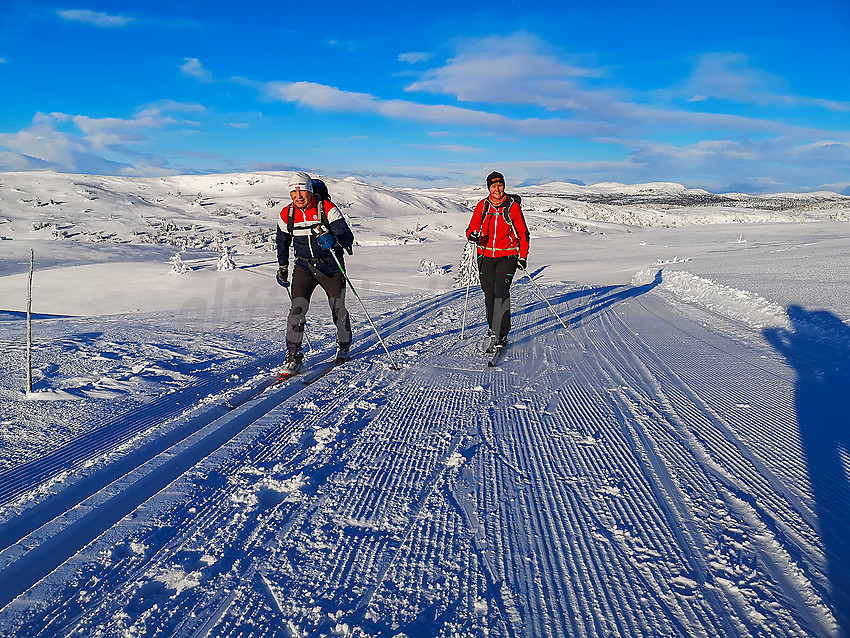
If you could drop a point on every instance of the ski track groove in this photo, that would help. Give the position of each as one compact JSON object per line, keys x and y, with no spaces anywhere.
{"x":715,"y":430}
{"x":74,"y":530}
{"x":583,"y":505}
{"x":764,"y":494}
{"x":587,"y":572}
{"x":110,"y":432}
{"x":608,"y":430}
{"x":768,"y":497}
{"x":656,"y":466}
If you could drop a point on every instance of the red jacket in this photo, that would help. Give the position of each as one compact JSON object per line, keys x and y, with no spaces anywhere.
{"x":497,"y":236}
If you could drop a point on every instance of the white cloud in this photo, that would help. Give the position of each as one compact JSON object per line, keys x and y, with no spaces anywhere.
{"x":2,"y":60}
{"x":346,"y":45}
{"x":732,"y":77}
{"x":716,"y":165}
{"x":457,"y":148}
{"x":95,"y":18}
{"x":832,"y":105}
{"x":616,"y":119}
{"x":43,"y":145}
{"x":10,"y":161}
{"x":110,"y":131}
{"x":78,"y":143}
{"x":521,"y":70}
{"x":322,"y":97}
{"x":515,"y":69}
{"x":330,"y":98}
{"x":833,"y":152}
{"x":193,"y":68}
{"x":719,"y":163}
{"x":415,"y":56}
{"x":171,"y":106}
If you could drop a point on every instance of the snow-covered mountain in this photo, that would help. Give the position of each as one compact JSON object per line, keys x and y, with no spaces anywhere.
{"x":205,"y":211}
{"x":675,"y":463}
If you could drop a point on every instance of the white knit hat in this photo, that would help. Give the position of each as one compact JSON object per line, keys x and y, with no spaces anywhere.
{"x":300,"y":182}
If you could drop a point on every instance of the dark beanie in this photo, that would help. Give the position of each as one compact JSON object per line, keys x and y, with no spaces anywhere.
{"x":495,"y":176}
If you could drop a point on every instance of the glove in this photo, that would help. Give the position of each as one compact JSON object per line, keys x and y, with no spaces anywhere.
{"x":474,"y":236}
{"x":283,"y":276}
{"x":326,"y":240}
{"x":521,"y":263}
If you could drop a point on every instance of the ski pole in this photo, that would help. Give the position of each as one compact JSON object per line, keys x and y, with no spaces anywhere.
{"x":465,"y":304}
{"x":350,"y":285}
{"x":543,"y":297}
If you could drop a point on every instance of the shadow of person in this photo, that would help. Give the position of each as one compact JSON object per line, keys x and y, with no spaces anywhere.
{"x":817,"y":346}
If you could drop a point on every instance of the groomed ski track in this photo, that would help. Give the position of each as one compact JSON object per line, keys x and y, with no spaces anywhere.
{"x":615,"y":479}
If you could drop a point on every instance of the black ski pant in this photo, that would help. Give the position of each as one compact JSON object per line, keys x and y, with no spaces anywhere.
{"x":496,"y":274}
{"x":304,"y":282}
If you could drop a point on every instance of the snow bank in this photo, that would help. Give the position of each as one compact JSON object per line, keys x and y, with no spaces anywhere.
{"x":820,"y":326}
{"x":741,"y":305}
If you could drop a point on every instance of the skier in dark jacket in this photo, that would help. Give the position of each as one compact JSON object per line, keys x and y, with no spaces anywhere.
{"x":313,"y":236}
{"x":498,"y":229}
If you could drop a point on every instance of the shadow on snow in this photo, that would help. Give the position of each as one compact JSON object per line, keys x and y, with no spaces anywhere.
{"x":590,"y":303}
{"x":817,"y":347}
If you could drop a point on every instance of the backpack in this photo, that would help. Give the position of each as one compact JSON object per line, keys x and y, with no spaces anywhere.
{"x":320,"y":192}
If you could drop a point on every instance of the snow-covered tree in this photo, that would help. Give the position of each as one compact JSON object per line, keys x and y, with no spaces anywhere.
{"x":218,"y":241}
{"x":225,"y":260}
{"x":177,"y":265}
{"x":467,"y":270}
{"x":429,"y":268}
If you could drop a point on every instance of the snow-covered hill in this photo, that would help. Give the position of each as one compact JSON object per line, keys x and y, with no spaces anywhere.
{"x":195,"y":212}
{"x":674,"y":464}
{"x":203,"y":212}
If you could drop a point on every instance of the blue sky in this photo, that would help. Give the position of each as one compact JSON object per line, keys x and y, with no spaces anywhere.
{"x":744,"y":95}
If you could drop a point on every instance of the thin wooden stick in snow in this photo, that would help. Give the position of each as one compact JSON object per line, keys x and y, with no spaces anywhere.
{"x":29,"y":324}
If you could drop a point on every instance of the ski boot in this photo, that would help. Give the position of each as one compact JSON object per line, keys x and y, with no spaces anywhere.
{"x":292,"y":364}
{"x":342,"y":352}
{"x":489,"y":344}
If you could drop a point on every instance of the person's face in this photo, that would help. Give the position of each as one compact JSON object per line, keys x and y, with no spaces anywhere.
{"x":497,"y":190}
{"x":301,"y":198}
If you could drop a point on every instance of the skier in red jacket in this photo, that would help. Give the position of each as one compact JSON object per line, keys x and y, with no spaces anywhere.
{"x":498,"y":229}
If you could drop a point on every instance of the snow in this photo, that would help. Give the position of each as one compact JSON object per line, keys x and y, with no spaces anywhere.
{"x":674,"y":463}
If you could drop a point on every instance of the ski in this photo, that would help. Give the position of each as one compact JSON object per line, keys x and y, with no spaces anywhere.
{"x":494,"y":359}
{"x":247,"y":394}
{"x":313,"y":373}
{"x":322,"y":370}
{"x":318,"y":372}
